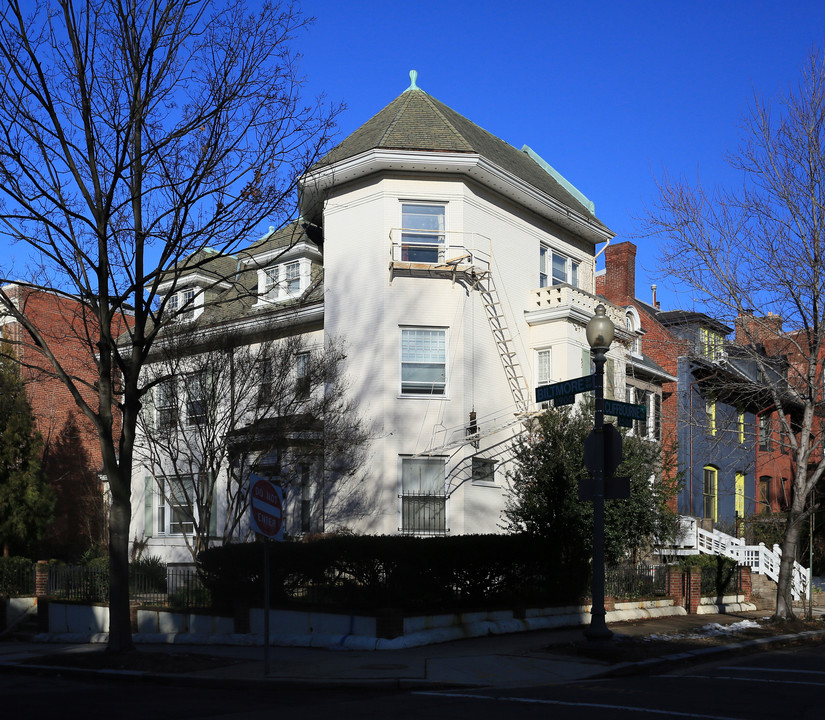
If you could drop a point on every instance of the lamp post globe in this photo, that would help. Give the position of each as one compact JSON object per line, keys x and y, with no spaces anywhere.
{"x":600,"y":330}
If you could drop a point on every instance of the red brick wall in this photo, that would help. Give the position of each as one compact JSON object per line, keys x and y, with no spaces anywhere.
{"x":617,"y":284}
{"x":62,"y":325}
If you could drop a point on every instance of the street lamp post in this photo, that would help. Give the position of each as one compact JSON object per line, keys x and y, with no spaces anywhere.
{"x":599,"y":331}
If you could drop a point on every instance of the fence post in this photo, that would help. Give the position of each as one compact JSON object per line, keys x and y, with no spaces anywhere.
{"x":745,"y":582}
{"x":41,"y":578}
{"x":41,"y":591}
{"x":694,"y":590}
{"x":674,"y":584}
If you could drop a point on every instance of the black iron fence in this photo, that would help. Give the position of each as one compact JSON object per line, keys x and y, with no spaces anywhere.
{"x":636,"y":582}
{"x":174,"y":587}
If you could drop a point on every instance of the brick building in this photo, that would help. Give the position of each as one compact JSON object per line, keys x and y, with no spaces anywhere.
{"x":703,"y":417}
{"x":71,"y":451}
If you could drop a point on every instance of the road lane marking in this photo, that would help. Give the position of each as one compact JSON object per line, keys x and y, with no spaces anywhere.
{"x":776,"y":670}
{"x":600,"y":706}
{"x":747,"y":679}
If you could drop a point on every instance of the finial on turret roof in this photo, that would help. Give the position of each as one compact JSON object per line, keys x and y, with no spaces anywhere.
{"x":413,"y":79}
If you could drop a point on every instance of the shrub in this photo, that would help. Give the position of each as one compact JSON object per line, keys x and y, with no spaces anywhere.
{"x":16,"y":576}
{"x":719,"y":574}
{"x":149,"y":574}
{"x":371,"y":572}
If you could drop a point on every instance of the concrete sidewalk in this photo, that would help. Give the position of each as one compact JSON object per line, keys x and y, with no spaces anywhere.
{"x":532,"y":658}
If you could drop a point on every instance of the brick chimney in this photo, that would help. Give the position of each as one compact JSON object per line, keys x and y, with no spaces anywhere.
{"x":757,"y":330}
{"x":620,"y":277}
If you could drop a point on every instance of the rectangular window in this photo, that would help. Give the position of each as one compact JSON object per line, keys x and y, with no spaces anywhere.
{"x":292,"y":278}
{"x":302,"y":375}
{"x":423,"y":498}
{"x":712,"y":343}
{"x":180,"y":497}
{"x":175,"y":505}
{"x":265,"y":389}
{"x":306,"y":500}
{"x":710,"y":411}
{"x":422,"y":233}
{"x":270,"y":288}
{"x":709,"y":493}
{"x":657,"y":417}
{"x":166,"y":404}
{"x":182,"y":304}
{"x":196,"y":398}
{"x":285,"y":281}
{"x":740,"y":495}
{"x":556,"y":269}
{"x":423,"y":361}
{"x":764,"y":432}
{"x":543,"y":371}
{"x":484,"y":471}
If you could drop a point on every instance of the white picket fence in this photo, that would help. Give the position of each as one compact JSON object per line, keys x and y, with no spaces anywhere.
{"x":692,"y":540}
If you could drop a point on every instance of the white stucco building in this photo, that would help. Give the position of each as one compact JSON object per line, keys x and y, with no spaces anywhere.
{"x":459,"y":271}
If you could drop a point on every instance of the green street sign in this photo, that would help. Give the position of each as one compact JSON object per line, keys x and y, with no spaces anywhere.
{"x":624,"y":412}
{"x":564,"y":393}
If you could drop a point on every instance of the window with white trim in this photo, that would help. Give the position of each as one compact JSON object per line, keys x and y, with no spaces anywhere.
{"x":285,"y":281}
{"x":423,"y":361}
{"x":544,"y":368}
{"x":176,"y":506}
{"x":197,"y":397}
{"x":484,"y":471}
{"x":423,"y":496}
{"x":181,"y":304}
{"x":166,"y":404}
{"x":556,"y":269}
{"x":302,"y":375}
{"x":422,"y":233}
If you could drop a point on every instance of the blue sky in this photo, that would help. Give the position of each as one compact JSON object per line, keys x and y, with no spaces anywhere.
{"x":612,"y":94}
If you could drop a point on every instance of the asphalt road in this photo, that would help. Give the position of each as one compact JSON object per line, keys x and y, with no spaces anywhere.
{"x":770,"y":685}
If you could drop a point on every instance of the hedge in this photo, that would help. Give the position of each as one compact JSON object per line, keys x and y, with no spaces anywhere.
{"x":374,"y":572}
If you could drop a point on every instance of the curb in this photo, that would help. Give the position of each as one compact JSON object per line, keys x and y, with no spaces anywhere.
{"x":637,"y":667}
{"x":195,"y":680}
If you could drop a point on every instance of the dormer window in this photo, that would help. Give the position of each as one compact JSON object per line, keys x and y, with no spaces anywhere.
{"x":285,"y":281}
{"x":632,"y":327}
{"x":181,"y":304}
{"x":712,"y":343}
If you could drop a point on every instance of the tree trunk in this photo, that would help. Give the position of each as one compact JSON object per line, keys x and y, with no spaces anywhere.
{"x":120,"y":624}
{"x":784,"y":599}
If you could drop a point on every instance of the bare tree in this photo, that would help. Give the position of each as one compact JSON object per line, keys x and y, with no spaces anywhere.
{"x":762,"y":245}
{"x":229,"y":408}
{"x":134,"y":134}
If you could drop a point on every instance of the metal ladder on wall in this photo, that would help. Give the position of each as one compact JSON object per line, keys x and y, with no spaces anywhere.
{"x":503,"y":338}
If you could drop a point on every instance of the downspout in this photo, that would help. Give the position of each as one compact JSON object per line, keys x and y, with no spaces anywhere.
{"x":606,"y":243}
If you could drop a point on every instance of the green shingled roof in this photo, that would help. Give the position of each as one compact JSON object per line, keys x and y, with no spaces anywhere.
{"x":416,"y":121}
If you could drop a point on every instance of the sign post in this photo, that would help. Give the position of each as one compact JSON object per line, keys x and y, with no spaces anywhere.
{"x":266,"y":502}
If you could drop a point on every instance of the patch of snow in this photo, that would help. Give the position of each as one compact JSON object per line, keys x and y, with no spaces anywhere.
{"x":710,"y":630}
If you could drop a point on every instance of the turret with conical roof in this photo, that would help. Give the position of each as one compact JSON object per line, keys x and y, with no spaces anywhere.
{"x":417,"y":124}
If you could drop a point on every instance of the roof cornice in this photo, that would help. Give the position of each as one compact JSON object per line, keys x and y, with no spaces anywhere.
{"x":471,"y":165}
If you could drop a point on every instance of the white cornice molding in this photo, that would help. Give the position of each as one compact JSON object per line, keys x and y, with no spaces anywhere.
{"x":470,"y":164}
{"x":283,"y":254}
{"x":194,"y":279}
